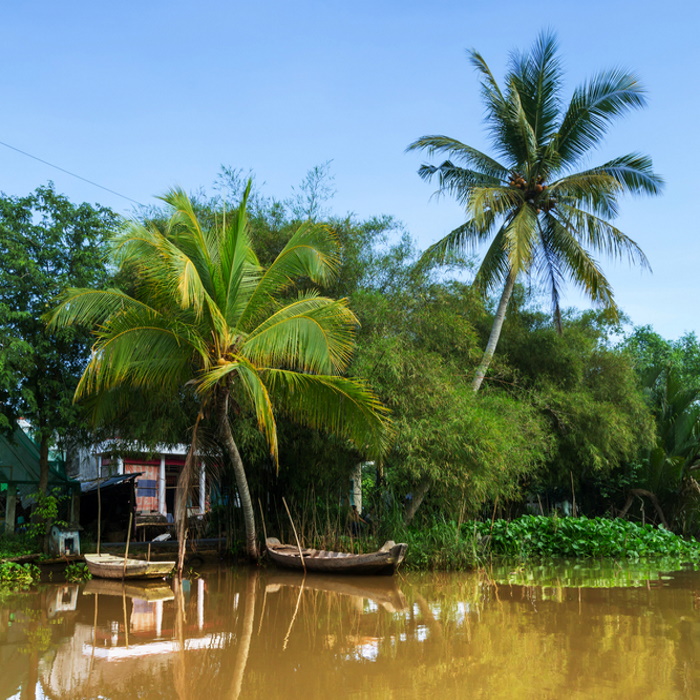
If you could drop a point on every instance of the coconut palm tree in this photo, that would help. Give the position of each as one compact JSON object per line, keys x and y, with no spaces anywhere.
{"x":205,"y":314}
{"x":542,"y":214}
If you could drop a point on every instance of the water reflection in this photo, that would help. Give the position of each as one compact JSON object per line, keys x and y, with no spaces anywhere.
{"x":271,"y":634}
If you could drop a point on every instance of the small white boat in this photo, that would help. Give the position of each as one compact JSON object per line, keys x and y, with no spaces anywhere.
{"x":110,"y":566}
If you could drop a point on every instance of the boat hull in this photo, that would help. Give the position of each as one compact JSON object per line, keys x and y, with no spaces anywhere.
{"x":383,"y":562}
{"x":109,"y":566}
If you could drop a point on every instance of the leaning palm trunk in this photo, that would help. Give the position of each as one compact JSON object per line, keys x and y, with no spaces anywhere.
{"x":241,"y":480}
{"x":183,"y":488}
{"x":495,"y":333}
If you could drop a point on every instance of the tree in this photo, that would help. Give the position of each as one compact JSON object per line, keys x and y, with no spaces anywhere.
{"x":46,"y":244}
{"x":205,"y":315}
{"x":452,"y":453}
{"x":541,"y":216}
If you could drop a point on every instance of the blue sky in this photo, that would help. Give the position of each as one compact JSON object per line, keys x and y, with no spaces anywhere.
{"x":143,"y":96}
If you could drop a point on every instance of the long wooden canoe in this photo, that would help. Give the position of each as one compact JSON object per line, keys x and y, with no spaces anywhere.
{"x":384,"y":561}
{"x":109,"y":566}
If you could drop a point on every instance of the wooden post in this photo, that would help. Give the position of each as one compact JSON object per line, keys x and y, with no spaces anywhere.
{"x":10,"y":509}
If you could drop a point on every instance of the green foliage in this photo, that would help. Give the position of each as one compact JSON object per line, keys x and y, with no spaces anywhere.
{"x":46,"y":244}
{"x":15,"y":545}
{"x":650,"y":353}
{"x":441,"y":546}
{"x":534,"y":536}
{"x":588,"y":391}
{"x":44,"y":515}
{"x":77,"y":572}
{"x":14,"y":576}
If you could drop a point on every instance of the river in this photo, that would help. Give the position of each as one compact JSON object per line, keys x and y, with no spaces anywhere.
{"x":575,"y":631}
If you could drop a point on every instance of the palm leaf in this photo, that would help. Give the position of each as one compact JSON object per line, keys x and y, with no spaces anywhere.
{"x":467,"y":155}
{"x":313,"y":334}
{"x":311,"y":252}
{"x":342,"y":406}
{"x":592,"y":108}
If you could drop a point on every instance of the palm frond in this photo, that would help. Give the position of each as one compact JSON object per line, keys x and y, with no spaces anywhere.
{"x":455,"y":180}
{"x":90,"y":307}
{"x":313,"y":334}
{"x":463,"y":238}
{"x":165,"y":273}
{"x":517,"y":133}
{"x":548,"y":265}
{"x":634,"y":172}
{"x":467,"y":155}
{"x":520,"y":236}
{"x":311,"y":252}
{"x":185,"y":220}
{"x":537,"y":77}
{"x":139,"y":356}
{"x":488,"y":202}
{"x":593,"y":107}
{"x":601,"y":235}
{"x":593,"y":189}
{"x":253,"y":385}
{"x":494,"y":268}
{"x":578,"y":263}
{"x":340,"y":405}
{"x":239,"y":267}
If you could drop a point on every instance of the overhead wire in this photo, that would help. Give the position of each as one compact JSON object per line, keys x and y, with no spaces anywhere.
{"x":68,"y":172}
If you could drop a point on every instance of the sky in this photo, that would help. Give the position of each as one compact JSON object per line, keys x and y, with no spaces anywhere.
{"x":142,"y":96}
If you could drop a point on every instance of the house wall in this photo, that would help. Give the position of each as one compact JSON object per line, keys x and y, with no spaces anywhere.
{"x":147,"y":484}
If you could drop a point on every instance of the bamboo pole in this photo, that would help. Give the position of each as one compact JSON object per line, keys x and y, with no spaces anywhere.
{"x":262,"y":519}
{"x":99,"y":514}
{"x":296,"y":537}
{"x":128,"y":539}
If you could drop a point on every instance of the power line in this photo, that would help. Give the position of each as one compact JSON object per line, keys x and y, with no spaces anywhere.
{"x":68,"y":172}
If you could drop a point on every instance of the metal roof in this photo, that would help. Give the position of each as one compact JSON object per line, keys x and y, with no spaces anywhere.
{"x":87,"y":486}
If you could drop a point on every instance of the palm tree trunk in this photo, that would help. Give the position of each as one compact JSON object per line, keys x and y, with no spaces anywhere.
{"x":43,"y":486}
{"x":241,"y":480}
{"x":495,"y":332}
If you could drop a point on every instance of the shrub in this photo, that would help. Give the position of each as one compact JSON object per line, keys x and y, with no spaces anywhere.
{"x":18,"y":576}
{"x":532,"y":536}
{"x":77,"y":572}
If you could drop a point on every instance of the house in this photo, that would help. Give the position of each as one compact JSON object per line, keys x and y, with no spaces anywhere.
{"x":155,"y":472}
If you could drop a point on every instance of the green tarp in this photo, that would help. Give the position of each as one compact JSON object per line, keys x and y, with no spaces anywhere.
{"x":19,"y":462}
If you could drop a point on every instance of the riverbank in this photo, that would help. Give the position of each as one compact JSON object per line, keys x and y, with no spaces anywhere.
{"x":440,"y":546}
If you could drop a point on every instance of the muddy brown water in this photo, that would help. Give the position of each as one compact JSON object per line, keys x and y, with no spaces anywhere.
{"x":565,"y":631}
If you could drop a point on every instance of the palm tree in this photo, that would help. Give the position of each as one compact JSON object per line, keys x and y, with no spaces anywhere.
{"x":542,"y":215}
{"x":204,"y":314}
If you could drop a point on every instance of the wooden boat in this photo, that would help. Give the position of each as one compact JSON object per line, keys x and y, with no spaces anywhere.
{"x":109,"y":566}
{"x":384,"y":561}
